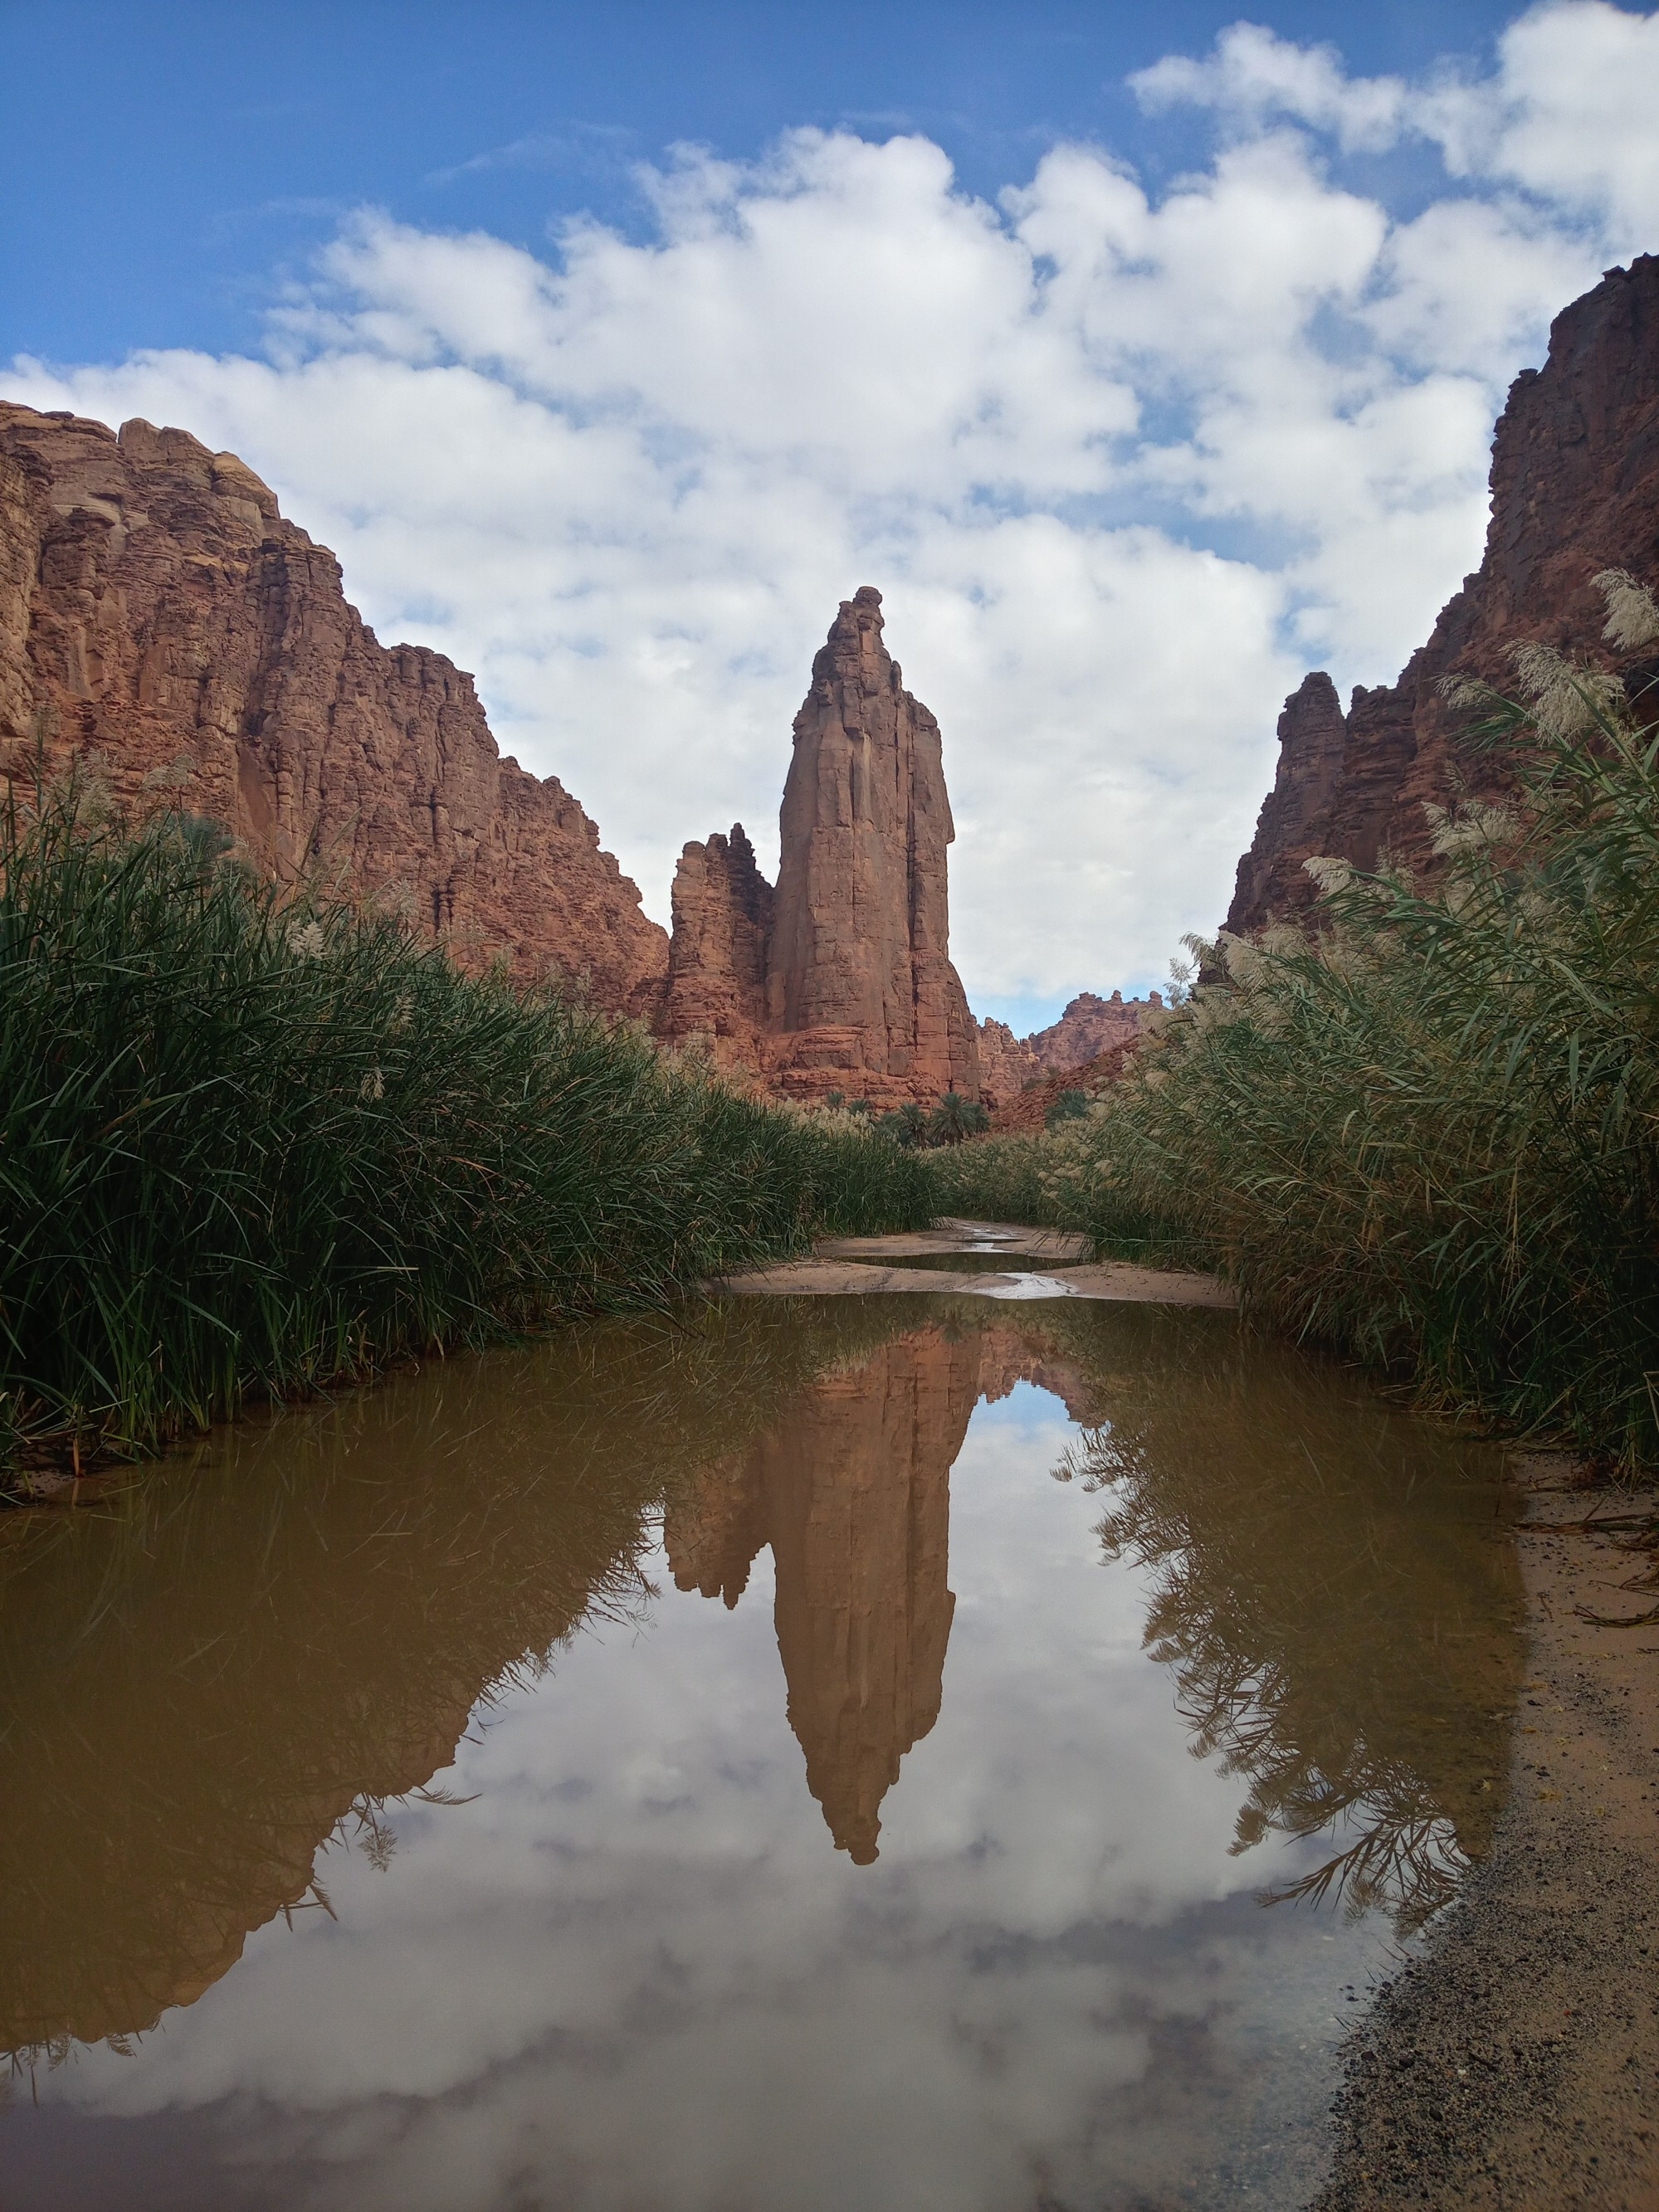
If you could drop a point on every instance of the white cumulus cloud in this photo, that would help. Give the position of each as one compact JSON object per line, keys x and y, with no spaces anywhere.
{"x":1123,"y":465}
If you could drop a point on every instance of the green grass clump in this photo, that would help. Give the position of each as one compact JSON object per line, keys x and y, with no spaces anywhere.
{"x":1429,"y":1133}
{"x":997,"y":1178}
{"x":251,"y":1143}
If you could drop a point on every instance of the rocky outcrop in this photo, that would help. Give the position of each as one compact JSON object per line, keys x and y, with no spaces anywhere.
{"x":1575,"y":489}
{"x":160,"y":621}
{"x":1007,"y":1063}
{"x":1090,"y":1026}
{"x":722,"y":917}
{"x":1312,"y":740}
{"x":859,"y":993}
{"x":1032,"y":1105}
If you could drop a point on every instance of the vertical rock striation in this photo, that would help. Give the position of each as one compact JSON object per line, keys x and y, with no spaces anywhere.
{"x":722,"y":918}
{"x":860,"y":976}
{"x":1575,"y":489}
{"x":860,"y":995}
{"x":160,"y":620}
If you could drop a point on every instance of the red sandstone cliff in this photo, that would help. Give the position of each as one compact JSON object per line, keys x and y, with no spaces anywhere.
{"x":1090,"y":1026}
{"x":1007,"y":1063}
{"x":858,"y":993}
{"x":722,"y":917}
{"x":158,"y":614}
{"x":1575,"y":489}
{"x":1022,"y":1077}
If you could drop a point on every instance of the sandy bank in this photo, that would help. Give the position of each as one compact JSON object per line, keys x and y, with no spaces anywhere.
{"x":1517,"y":2062}
{"x":1042,"y":1263}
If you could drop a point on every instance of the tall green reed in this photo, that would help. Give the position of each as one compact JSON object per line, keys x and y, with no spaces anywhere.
{"x":250,"y":1141}
{"x":1428,"y":1132}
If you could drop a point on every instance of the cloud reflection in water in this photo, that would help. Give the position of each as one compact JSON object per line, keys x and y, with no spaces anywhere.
{"x":634,"y":1970}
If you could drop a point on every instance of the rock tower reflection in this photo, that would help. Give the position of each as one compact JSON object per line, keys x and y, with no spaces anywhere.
{"x":854,"y":1497}
{"x":204,"y":1677}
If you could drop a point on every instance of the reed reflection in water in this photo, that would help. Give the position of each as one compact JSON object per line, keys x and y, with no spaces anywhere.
{"x":1047,"y":1972}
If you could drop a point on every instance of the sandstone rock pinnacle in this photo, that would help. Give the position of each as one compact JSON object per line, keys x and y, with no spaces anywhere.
{"x":859,"y":994}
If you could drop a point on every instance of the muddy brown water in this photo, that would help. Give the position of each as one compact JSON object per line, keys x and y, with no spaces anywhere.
{"x":867,"y":1752}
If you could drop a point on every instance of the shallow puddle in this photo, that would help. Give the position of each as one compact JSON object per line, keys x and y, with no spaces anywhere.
{"x":838,"y":1752}
{"x":969,"y":1260}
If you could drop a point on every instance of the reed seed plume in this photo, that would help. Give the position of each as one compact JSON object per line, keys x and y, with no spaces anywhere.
{"x":1426,"y":1132}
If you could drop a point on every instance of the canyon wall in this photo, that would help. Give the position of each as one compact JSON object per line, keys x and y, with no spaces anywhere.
{"x":161,"y":622}
{"x":1575,"y":489}
{"x":1087,"y":1040}
{"x":840,"y":980}
{"x":163,"y":627}
{"x":1007,"y":1063}
{"x":722,"y":925}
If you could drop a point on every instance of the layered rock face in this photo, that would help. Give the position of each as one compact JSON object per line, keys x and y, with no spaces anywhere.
{"x":860,"y":995}
{"x":860,"y":976}
{"x":1088,"y":1040}
{"x":722,"y":918}
{"x":1007,"y":1063}
{"x":161,"y":620}
{"x":1575,"y":489}
{"x":1091,"y":1025}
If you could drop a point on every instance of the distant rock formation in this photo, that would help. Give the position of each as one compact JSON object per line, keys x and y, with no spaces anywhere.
{"x":160,"y":620}
{"x":1090,"y":1026}
{"x":858,"y":993}
{"x":1089,"y":1041}
{"x":1030,"y":1106}
{"x":1575,"y":489}
{"x":1007,"y":1063}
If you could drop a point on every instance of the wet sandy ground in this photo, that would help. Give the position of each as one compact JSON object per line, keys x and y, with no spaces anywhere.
{"x":1515,"y":2064}
{"x":1042,"y":1263}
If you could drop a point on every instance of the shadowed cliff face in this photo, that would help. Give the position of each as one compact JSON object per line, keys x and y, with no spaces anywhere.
{"x":841,"y":978}
{"x":161,"y":622}
{"x":1575,"y":489}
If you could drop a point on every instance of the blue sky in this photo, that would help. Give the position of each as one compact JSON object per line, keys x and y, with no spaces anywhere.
{"x":1142,"y":360}
{"x":174,"y":160}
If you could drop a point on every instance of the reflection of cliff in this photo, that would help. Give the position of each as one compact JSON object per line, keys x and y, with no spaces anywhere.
{"x":851,"y":1491}
{"x":202,"y":1677}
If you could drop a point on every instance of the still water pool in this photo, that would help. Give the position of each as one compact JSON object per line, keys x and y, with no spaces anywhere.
{"x":865,"y":1752}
